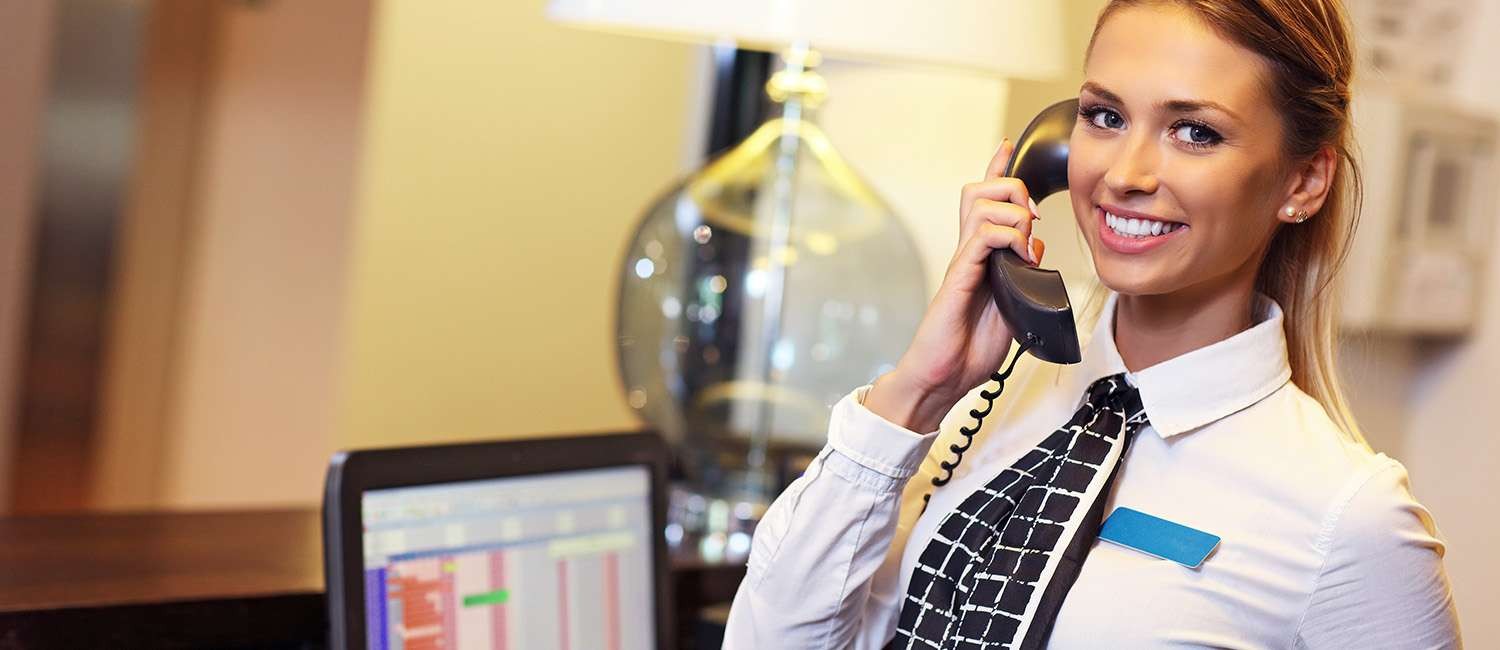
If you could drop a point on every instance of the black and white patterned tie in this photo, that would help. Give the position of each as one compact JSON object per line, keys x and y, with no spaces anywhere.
{"x":998,"y":567}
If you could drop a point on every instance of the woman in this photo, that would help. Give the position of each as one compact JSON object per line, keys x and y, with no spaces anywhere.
{"x":1209,"y":171}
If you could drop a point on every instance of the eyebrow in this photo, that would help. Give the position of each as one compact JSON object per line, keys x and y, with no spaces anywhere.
{"x":1173,"y":105}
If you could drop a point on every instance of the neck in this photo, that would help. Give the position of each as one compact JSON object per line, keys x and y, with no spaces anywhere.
{"x":1150,"y":329}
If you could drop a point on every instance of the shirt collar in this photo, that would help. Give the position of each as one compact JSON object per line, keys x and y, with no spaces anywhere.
{"x":1201,"y":386}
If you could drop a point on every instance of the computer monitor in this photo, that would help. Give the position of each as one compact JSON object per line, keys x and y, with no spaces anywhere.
{"x":553,"y":543}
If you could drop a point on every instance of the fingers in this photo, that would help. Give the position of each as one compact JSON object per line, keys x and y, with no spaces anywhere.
{"x":1000,"y":159}
{"x":999,"y":213}
{"x":990,"y":237}
{"x":1008,"y":189}
{"x":1005,"y":190}
{"x":996,"y":201}
{"x":993,"y":171}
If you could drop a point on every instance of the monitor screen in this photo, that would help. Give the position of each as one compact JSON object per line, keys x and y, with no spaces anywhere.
{"x":560,"y":560}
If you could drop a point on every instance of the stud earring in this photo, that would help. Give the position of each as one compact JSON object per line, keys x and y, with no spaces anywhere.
{"x":1301,"y":216}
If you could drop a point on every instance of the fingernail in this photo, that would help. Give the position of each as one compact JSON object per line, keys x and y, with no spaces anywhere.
{"x":1034,"y":213}
{"x":1031,"y":251}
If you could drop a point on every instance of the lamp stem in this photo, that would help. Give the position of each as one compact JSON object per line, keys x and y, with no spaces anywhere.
{"x":793,"y":87}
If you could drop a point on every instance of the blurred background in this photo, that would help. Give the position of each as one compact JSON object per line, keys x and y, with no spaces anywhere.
{"x":238,"y":235}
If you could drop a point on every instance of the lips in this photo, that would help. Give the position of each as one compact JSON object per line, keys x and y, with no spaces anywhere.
{"x":1129,"y":232}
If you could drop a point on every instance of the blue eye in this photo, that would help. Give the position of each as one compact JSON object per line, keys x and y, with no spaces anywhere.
{"x":1196,"y":135}
{"x":1102,"y":118}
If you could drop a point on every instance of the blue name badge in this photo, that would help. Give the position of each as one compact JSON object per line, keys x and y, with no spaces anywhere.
{"x":1158,"y":537}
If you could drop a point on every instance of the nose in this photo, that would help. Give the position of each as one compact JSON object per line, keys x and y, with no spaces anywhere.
{"x":1134,"y":169}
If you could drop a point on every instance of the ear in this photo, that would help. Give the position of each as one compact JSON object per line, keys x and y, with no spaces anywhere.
{"x":1308,"y":185}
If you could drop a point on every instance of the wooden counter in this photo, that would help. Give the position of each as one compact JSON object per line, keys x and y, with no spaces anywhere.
{"x":244,"y":579}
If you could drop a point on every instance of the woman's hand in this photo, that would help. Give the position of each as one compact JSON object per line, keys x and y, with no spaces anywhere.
{"x":961,"y":340}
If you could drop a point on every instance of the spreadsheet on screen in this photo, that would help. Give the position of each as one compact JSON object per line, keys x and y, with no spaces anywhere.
{"x":560,"y":560}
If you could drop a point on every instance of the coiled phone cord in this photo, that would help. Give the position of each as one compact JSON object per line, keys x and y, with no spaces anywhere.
{"x":969,"y":432}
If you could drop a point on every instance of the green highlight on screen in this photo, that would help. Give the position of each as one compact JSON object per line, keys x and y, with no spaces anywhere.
{"x":496,"y":597}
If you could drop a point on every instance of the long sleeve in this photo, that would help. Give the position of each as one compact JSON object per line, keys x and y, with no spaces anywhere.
{"x":1382,"y":584}
{"x":816,"y":552}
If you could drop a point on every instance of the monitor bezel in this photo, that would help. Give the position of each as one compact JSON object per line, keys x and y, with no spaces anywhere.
{"x":352,"y":473}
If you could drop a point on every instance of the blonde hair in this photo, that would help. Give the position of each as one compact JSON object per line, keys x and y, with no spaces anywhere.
{"x":1308,"y":50}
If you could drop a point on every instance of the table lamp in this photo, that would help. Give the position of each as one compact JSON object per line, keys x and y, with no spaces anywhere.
{"x":767,"y":283}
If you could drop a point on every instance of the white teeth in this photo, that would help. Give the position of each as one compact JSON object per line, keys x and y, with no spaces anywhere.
{"x":1138,"y":227}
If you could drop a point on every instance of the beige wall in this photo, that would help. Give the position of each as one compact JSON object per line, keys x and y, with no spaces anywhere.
{"x":25,"y":32}
{"x":506,"y":162}
{"x":949,"y":129}
{"x":251,"y":417}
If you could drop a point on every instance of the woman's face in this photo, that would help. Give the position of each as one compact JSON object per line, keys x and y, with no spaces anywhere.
{"x":1177,"y":132}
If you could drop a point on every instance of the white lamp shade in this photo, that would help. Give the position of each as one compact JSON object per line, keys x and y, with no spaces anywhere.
{"x":1010,"y":38}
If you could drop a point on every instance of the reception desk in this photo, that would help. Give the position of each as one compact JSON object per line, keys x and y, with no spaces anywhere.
{"x":232,"y":579}
{"x":247,"y":579}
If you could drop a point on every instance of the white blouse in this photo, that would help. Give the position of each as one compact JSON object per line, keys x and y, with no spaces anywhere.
{"x":1322,"y":545}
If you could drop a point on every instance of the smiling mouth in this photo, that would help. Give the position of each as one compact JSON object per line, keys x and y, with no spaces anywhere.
{"x":1137,"y":227}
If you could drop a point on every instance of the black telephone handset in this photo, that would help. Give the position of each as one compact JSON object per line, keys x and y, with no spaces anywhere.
{"x":1033,"y":301}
